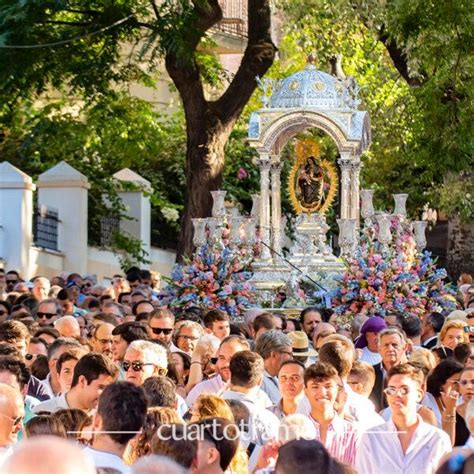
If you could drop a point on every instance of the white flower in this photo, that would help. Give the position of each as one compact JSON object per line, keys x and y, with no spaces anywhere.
{"x":170,"y":214}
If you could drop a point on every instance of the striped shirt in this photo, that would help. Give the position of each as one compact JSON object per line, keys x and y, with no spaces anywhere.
{"x":342,"y":439}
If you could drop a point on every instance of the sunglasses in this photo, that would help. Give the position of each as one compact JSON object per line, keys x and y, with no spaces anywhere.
{"x":15,"y":421}
{"x":86,"y":285}
{"x":46,"y":315}
{"x":30,"y":356}
{"x":392,"y":391}
{"x":213,"y":360}
{"x":136,"y":366}
{"x":165,"y":331}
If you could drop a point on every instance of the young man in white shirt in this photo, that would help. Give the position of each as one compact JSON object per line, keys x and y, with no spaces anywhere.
{"x":120,"y":416}
{"x":404,"y":444}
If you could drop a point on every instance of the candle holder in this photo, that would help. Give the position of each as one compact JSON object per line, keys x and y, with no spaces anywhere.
{"x":347,"y":236}
{"x":234,"y":236}
{"x":367,"y":206}
{"x":199,"y":238}
{"x":384,"y":235}
{"x":400,"y":205}
{"x":419,"y":230}
{"x":218,"y":204}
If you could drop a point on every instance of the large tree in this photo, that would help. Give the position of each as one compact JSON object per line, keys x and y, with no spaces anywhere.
{"x":90,"y":49}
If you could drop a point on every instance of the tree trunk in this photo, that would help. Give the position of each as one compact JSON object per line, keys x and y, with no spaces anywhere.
{"x":204,"y":169}
{"x":460,"y":247}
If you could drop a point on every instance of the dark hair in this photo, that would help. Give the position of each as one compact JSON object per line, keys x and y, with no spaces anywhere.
{"x":320,"y":372}
{"x":303,"y":455}
{"x":246,"y":369}
{"x":236,"y":330}
{"x":103,"y":298}
{"x":12,"y":331}
{"x":160,"y":392}
{"x":17,"y":368}
{"x":445,"y":369}
{"x":326,"y":314}
{"x":137,"y":304}
{"x":72,"y":420}
{"x":462,"y":351}
{"x":264,"y":320}
{"x":213,"y":316}
{"x":145,"y":274}
{"x":47,"y":330}
{"x":40,"y":367}
{"x":106,"y":318}
{"x":131,"y":331}
{"x":436,"y":320}
{"x":411,"y":325}
{"x":223,"y":434}
{"x":7,"y":305}
{"x":284,"y":320}
{"x":171,"y":441}
{"x":443,"y":352}
{"x":74,"y":353}
{"x":65,"y":295}
{"x":92,"y":366}
{"x":308,"y":310}
{"x":38,"y":340}
{"x":292,"y":362}
{"x":122,"y":295}
{"x":68,"y":342}
{"x":336,"y":354}
{"x":122,"y":407}
{"x":42,"y":425}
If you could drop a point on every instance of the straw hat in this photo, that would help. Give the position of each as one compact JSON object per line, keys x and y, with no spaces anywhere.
{"x":300,"y":344}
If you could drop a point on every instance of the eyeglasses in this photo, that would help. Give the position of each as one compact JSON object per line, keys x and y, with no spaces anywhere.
{"x":86,"y":285}
{"x":393,"y":392}
{"x":15,"y":421}
{"x":45,"y":315}
{"x":136,"y":366}
{"x":465,"y":382}
{"x":165,"y":331}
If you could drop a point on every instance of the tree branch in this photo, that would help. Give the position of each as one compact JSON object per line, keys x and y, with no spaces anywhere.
{"x":209,"y":13}
{"x":155,"y":9}
{"x":398,"y":57}
{"x":257,"y":59}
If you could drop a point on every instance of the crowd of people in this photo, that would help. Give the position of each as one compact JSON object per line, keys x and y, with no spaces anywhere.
{"x":105,"y":379}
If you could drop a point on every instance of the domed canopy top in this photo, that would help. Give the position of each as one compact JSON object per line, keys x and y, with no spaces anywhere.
{"x":311,"y":88}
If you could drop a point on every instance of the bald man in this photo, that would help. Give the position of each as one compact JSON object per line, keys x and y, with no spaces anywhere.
{"x":154,"y":464}
{"x":68,"y":326}
{"x":12,"y":411}
{"x":48,"y":455}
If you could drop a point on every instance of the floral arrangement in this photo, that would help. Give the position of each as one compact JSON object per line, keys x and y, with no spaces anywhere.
{"x":391,"y":278}
{"x":216,"y":278}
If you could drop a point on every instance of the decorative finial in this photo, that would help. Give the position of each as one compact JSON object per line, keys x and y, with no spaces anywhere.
{"x":311,"y":59}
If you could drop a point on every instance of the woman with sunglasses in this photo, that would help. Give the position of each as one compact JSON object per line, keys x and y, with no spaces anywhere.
{"x":466,"y":391}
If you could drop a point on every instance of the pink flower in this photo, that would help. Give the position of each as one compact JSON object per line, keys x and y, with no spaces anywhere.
{"x":242,"y":173}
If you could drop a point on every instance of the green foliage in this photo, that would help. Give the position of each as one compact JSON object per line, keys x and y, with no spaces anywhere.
{"x":420,"y":103}
{"x":457,"y":195}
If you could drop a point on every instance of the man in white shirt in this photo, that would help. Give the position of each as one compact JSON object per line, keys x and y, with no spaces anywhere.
{"x":120,"y":416}
{"x":229,"y":346}
{"x":275,"y":347}
{"x":246,"y":370}
{"x":92,"y":374}
{"x":405,"y":444}
{"x":12,"y":412}
{"x":340,"y":354}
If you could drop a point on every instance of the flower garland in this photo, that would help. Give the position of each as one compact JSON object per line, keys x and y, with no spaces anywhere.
{"x":214,"y":279}
{"x":381,"y":279}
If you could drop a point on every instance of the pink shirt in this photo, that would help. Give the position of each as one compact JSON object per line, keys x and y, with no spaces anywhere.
{"x":342,"y":439}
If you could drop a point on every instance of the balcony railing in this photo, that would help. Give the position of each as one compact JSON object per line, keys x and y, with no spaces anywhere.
{"x":234,"y":21}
